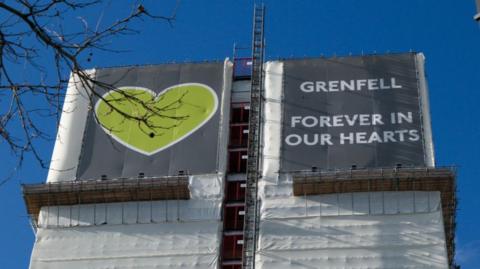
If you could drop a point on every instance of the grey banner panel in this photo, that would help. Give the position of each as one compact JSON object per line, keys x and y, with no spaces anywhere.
{"x":352,"y":111}
{"x":195,"y":153}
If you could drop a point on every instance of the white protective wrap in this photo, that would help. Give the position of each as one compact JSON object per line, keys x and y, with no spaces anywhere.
{"x":425,"y":109}
{"x":68,"y":144}
{"x":353,"y":230}
{"x":272,"y":121}
{"x":346,"y":230}
{"x":222,"y":154}
{"x":150,"y":234}
{"x":165,"y":245}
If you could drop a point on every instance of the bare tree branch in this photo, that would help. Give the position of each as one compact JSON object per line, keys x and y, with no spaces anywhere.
{"x":30,"y":31}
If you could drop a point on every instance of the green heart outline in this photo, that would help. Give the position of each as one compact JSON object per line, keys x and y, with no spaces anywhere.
{"x":156,"y":98}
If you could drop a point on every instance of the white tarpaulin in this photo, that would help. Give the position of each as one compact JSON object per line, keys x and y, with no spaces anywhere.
{"x":165,"y":245}
{"x":68,"y":144}
{"x":352,"y":230}
{"x":150,"y":234}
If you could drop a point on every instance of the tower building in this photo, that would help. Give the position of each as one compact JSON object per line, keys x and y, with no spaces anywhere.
{"x":247,"y":163}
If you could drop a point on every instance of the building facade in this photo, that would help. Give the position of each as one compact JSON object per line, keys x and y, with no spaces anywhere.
{"x":347,"y":176}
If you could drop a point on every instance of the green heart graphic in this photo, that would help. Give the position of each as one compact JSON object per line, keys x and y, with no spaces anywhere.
{"x":149,"y":123}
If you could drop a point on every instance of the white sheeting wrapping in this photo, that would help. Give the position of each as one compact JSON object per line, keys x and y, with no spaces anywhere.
{"x":222,"y":154}
{"x":272,"y":121}
{"x":348,"y":230}
{"x":150,"y":234}
{"x":68,"y":145}
{"x":346,"y":204}
{"x":166,"y":245}
{"x":353,"y":230}
{"x":425,"y":105}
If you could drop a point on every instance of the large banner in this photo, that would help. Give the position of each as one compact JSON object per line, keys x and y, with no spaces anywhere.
{"x":352,"y":112}
{"x":155,"y":120}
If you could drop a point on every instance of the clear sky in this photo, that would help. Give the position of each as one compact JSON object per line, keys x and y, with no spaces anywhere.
{"x":442,"y":29}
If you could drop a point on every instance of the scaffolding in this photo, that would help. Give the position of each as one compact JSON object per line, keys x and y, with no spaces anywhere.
{"x":384,"y":180}
{"x":79,"y":192}
{"x":254,"y":136}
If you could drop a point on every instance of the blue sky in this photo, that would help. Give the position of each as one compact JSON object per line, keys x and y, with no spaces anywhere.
{"x":205,"y":30}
